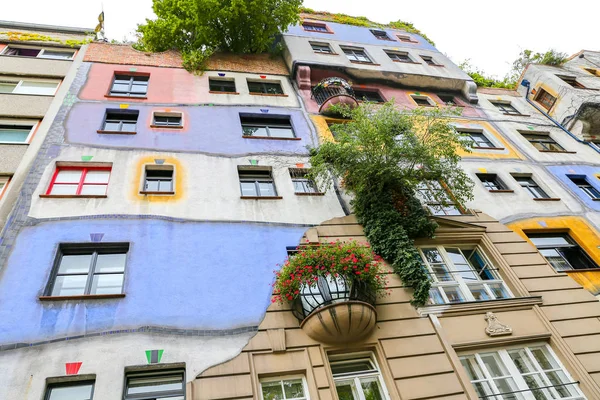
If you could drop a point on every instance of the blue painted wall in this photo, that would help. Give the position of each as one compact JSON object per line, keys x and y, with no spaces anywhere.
{"x":209,"y":129}
{"x":186,"y":275}
{"x":591,"y":173}
{"x":359,"y":34}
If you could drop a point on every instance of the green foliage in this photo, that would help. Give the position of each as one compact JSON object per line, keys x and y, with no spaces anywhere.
{"x":36,"y":37}
{"x":382,"y":154}
{"x":482,"y":80}
{"x":349,"y":260}
{"x":197,"y":28}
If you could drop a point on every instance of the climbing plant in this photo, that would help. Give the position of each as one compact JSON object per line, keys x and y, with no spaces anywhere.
{"x":381,"y":155}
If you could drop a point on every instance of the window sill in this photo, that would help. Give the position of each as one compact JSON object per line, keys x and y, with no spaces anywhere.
{"x":166,"y":127}
{"x":436,"y":65}
{"x":327,"y":54}
{"x":82,"y":297}
{"x":547,"y":199}
{"x":268,"y":94}
{"x":475,"y":307}
{"x":270,"y":138}
{"x":407,"y":62}
{"x":261,"y":197}
{"x":501,"y":191}
{"x":309,"y":194}
{"x":110,"y":96}
{"x":487,"y":148}
{"x":16,"y":143}
{"x":579,"y":270}
{"x":328,"y":32}
{"x":116,"y":132}
{"x":557,"y":151}
{"x":365,"y":63}
{"x":157,"y":193}
{"x":517,"y":115}
{"x":73,"y":196}
{"x":408,"y":41}
{"x":596,"y":199}
{"x":219,"y":92}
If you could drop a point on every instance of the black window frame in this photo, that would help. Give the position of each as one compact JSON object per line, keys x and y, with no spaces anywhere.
{"x":531,"y":186}
{"x":158,"y":178}
{"x":322,"y":28}
{"x":168,"y":123}
{"x":448,"y":99}
{"x":299,"y":175}
{"x":419,"y":98}
{"x":132,"y":79}
{"x":477,"y":144}
{"x":115,"y":115}
{"x":218,"y":84}
{"x":374,"y":97}
{"x":380,"y":34}
{"x":94,"y":249}
{"x":264,"y":87}
{"x":542,"y":141}
{"x":429,"y":60}
{"x":585,"y":186}
{"x":256,"y":175}
{"x":267,"y":122}
{"x":563,"y":250}
{"x":506,"y":108}
{"x":356,"y":52}
{"x":400,"y":56}
{"x":571,"y":81}
{"x":492,"y":182}
{"x":154,"y":372}
{"x":50,"y":386}
{"x":318,"y":47}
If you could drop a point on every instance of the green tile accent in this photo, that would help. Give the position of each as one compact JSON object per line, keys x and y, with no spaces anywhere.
{"x":253,"y":162}
{"x":132,"y":69}
{"x":86,"y":158}
{"x":154,"y":356}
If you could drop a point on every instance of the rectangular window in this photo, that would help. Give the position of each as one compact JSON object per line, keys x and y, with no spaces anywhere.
{"x":79,"y":181}
{"x":3,"y":184}
{"x":167,"y":120}
{"x":120,"y":120}
{"x":89,"y":269}
{"x":40,"y":53}
{"x":221,"y":85}
{"x":356,"y":55}
{"x":321,"y":48}
{"x":429,"y":60}
{"x":284,"y":389}
{"x":585,"y":186}
{"x":406,"y":38}
{"x":42,"y":88}
{"x":257,"y":183}
{"x":271,"y":127}
{"x":461,"y":274}
{"x":159,"y":179}
{"x":368,"y":95}
{"x":526,"y":373}
{"x":571,"y":80}
{"x":593,"y":71}
{"x":301,"y":182}
{"x":381,"y":35}
{"x":437,"y":199}
{"x":491,"y":182}
{"x":15,"y":133}
{"x":542,"y":141}
{"x":315,"y":27}
{"x":561,"y":251}
{"x":477,"y":139}
{"x":447,"y":99}
{"x":422,"y":101}
{"x":545,"y":99}
{"x":155,"y":385}
{"x":357,"y":377}
{"x":531,"y":186}
{"x":399,"y":56}
{"x":264,"y":87}
{"x":130,"y":85}
{"x":505,"y":108}
{"x":78,"y":390}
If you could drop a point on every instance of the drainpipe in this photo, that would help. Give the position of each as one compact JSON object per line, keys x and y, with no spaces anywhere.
{"x":527,"y":84}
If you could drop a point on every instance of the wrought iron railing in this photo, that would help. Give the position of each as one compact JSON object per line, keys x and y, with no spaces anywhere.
{"x":329,"y":290}
{"x":331,"y":87}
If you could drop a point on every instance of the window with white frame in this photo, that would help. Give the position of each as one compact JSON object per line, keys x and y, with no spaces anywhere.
{"x":28,"y":86}
{"x":436,"y":198}
{"x":284,"y":388}
{"x":15,"y":132}
{"x":523,"y":373}
{"x":460,"y":274}
{"x":477,"y":139}
{"x":256,"y":182}
{"x":302,"y":184}
{"x":357,"y":377}
{"x":56,"y":54}
{"x":356,"y":54}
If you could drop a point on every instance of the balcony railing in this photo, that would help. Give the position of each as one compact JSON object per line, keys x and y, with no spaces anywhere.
{"x":332,"y":91}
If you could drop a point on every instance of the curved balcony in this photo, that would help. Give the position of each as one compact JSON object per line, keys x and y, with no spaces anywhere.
{"x":332,"y":91}
{"x":336,"y":310}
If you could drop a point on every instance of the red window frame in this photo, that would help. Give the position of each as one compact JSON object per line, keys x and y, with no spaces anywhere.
{"x":84,"y":171}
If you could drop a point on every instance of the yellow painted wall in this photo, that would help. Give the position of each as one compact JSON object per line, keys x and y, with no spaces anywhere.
{"x":510,"y":152}
{"x":137,"y":178}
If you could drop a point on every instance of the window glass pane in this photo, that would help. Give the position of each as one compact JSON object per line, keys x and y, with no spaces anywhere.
{"x":57,"y":55}
{"x":107,"y":284}
{"x":42,"y":88}
{"x":112,"y":125}
{"x":69,"y":285}
{"x":120,"y":87}
{"x":267,"y":189}
{"x":14,"y":134}
{"x":151,"y":185}
{"x":346,"y":390}
{"x":248,"y":189}
{"x":255,"y":131}
{"x":68,"y":176}
{"x":454,"y":294}
{"x":154,"y":384}
{"x":549,"y":240}
{"x":23,"y":52}
{"x":355,"y":366}
{"x":435,"y":296}
{"x":282,"y":132}
{"x":555,"y":259}
{"x":272,"y":391}
{"x":61,"y":189}
{"x":139,"y":89}
{"x":128,"y":126}
{"x":75,"y":392}
{"x":498,"y":290}
{"x":110,"y":263}
{"x":479,"y":293}
{"x":294,"y":389}
{"x":97,"y":176}
{"x":7,"y":87}
{"x":371,"y":389}
{"x":493,"y":364}
{"x":75,"y":264}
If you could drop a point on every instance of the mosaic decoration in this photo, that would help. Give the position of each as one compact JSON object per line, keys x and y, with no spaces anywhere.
{"x":482,"y":170}
{"x":154,"y":356}
{"x":221,"y":74}
{"x":159,"y":161}
{"x":70,"y":99}
{"x":253,"y":162}
{"x":132,"y":69}
{"x":543,"y":224}
{"x":87,"y":158}
{"x":96,"y":237}
{"x":73,"y":368}
{"x":123,"y":105}
{"x":264,"y":110}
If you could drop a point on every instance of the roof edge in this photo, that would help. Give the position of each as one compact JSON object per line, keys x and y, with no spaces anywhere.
{"x":43,"y":27}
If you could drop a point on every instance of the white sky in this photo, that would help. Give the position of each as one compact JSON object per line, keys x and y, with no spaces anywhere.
{"x":490,"y":33}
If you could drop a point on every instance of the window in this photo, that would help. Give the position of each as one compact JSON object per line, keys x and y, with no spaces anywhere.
{"x":422,"y":101}
{"x":155,"y":385}
{"x":542,"y":141}
{"x":264,"y":87}
{"x":545,"y":99}
{"x":120,"y":120}
{"x":532,"y":187}
{"x":399,"y":56}
{"x":447,"y":99}
{"x":42,"y":88}
{"x":301,"y":182}
{"x":437,"y":199}
{"x":88,"y":269}
{"x":527,"y":373}
{"x":272,"y":127}
{"x":571,"y":80}
{"x":3,"y":184}
{"x":381,"y":35}
{"x":583,"y":184}
{"x":593,"y":71}
{"x":167,"y":120}
{"x":368,"y":95}
{"x":429,"y":60}
{"x":561,"y":251}
{"x":491,"y":182}
{"x":158,"y":179}
{"x":40,"y":53}
{"x":356,"y":55}
{"x":505,"y":108}
{"x":221,"y":85}
{"x":15,"y":133}
{"x":79,"y":181}
{"x":461,"y":274}
{"x":79,"y":390}
{"x":357,"y":377}
{"x":477,"y":139}
{"x":284,"y":389}
{"x":406,"y":38}
{"x":321,"y":48}
{"x":315,"y":27}
{"x":256,"y":182}
{"x":130,"y":85}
